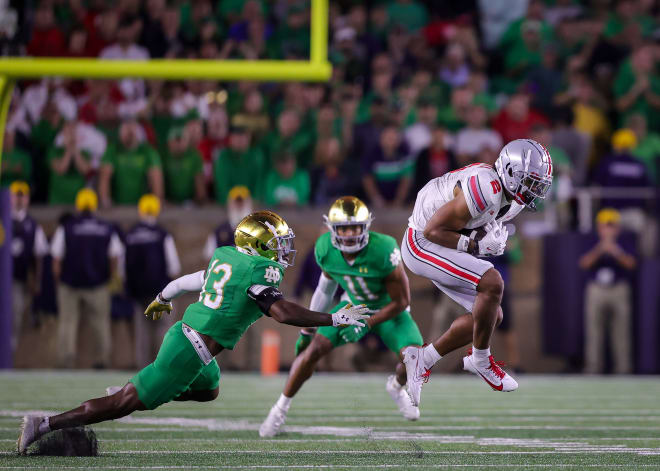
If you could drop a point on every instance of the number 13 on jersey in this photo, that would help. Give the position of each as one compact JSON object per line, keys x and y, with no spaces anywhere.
{"x":211,"y":300}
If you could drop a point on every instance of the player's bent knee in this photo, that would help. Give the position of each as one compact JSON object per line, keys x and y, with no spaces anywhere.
{"x":212,"y":394}
{"x":500,"y":316}
{"x":319,"y":347}
{"x":127,"y":400}
{"x":491,"y":284}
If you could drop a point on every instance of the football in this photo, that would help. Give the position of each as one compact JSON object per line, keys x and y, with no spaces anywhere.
{"x":476,"y":234}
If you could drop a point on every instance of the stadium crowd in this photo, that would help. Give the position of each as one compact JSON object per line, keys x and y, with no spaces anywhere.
{"x":419,"y":88}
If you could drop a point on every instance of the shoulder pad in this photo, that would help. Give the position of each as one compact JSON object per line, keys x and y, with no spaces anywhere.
{"x":483,"y":190}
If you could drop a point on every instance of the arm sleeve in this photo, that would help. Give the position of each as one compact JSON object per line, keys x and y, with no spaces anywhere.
{"x":323,"y":294}
{"x":40,"y":242}
{"x":210,"y":246}
{"x":57,"y":246}
{"x":184,"y":284}
{"x":171,"y":257}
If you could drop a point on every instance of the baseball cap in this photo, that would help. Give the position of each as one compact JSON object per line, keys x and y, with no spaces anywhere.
{"x":19,"y":186}
{"x":608,"y":216}
{"x":149,"y":204}
{"x":86,"y":200}
{"x":239,"y":191}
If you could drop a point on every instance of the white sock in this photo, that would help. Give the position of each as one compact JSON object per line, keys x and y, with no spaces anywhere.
{"x":397,"y":384}
{"x":284,"y":402}
{"x":44,"y":426}
{"x":430,"y":356}
{"x":481,"y":356}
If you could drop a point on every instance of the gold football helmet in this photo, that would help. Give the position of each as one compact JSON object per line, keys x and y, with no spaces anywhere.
{"x":266,"y":234}
{"x":349,"y":211}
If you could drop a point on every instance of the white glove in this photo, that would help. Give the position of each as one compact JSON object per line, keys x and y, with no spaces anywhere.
{"x":494,"y":242}
{"x":350,"y":315}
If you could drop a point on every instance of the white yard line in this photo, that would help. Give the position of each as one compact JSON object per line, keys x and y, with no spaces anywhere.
{"x":362,"y":466}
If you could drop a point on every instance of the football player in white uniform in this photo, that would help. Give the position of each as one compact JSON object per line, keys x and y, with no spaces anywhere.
{"x":442,"y":244}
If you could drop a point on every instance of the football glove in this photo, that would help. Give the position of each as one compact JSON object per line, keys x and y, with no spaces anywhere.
{"x":159,"y":305}
{"x":304,"y":339}
{"x":350,"y":315}
{"x":353,"y":333}
{"x":494,"y":242}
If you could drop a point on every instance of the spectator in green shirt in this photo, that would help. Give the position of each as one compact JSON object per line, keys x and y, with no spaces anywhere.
{"x":289,"y":137}
{"x":69,"y":166}
{"x":637,"y":86}
{"x":238,"y":164}
{"x":184,"y":175}
{"x":648,"y":145}
{"x":286,"y":185}
{"x":410,"y":14}
{"x":16,"y":163}
{"x":129,"y":169}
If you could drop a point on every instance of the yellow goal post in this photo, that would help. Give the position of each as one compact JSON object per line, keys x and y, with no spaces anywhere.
{"x":316,"y":69}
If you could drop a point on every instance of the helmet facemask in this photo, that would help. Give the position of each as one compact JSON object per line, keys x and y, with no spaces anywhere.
{"x":531,"y":187}
{"x":283,"y":246}
{"x":349,"y":244}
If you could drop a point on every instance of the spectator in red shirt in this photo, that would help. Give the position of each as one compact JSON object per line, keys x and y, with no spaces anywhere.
{"x":102,"y":31}
{"x":516,"y":119}
{"x":217,"y":127}
{"x":46,"y":40}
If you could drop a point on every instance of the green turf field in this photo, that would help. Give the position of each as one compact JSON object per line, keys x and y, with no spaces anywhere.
{"x":349,"y":422}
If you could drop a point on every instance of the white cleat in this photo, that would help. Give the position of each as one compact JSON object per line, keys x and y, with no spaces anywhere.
{"x":110,"y":390}
{"x":29,"y":432}
{"x":417,"y":374}
{"x":273,"y":423}
{"x":401,"y":398}
{"x":493,"y":375}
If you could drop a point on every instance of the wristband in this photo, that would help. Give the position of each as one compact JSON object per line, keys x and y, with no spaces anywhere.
{"x":463,"y":243}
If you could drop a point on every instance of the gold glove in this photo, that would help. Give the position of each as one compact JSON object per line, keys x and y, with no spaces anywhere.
{"x":159,"y":305}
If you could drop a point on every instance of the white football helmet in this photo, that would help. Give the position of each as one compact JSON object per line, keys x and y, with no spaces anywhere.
{"x":525,"y":168}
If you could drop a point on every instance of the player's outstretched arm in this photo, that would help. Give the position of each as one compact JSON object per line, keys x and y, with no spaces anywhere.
{"x":272,"y":303}
{"x":163,"y":301}
{"x":450,"y":218}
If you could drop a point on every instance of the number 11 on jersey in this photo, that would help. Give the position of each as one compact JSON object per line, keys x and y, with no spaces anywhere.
{"x":363,"y":287}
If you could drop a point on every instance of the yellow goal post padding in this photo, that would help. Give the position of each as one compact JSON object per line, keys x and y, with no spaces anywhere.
{"x":316,"y":69}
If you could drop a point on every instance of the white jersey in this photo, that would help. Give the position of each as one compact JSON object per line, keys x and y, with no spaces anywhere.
{"x":483,"y":193}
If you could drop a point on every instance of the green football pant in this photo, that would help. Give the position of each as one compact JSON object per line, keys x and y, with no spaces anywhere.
{"x":176,"y":369}
{"x":396,"y":333}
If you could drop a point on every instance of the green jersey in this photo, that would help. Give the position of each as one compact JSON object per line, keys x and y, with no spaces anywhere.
{"x":364,"y":279}
{"x":224,"y":311}
{"x":131,"y":168}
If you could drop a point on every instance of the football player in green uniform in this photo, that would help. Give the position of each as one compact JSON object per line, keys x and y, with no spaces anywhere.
{"x":238,"y":287}
{"x":367,"y":265}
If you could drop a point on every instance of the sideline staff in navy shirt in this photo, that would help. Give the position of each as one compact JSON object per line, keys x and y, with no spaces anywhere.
{"x":151,"y":263}
{"x":28,"y":247}
{"x":85,"y":251}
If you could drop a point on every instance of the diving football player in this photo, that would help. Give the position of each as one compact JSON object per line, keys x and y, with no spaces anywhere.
{"x":238,"y":287}
{"x":367,"y":265}
{"x":441,"y":244}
